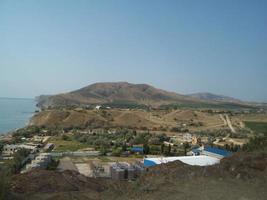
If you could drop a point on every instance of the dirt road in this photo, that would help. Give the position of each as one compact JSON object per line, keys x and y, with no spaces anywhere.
{"x":230,"y":124}
{"x":227,"y":122}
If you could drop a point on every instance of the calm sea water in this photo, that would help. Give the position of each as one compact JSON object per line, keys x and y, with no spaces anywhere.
{"x":15,"y":113}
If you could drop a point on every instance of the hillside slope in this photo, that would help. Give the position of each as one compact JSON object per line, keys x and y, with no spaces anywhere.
{"x":127,"y":95}
{"x":136,"y":119}
{"x":112,"y":93}
{"x":214,"y":97}
{"x":242,"y":176}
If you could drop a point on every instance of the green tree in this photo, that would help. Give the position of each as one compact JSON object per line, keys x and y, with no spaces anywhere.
{"x":162,"y":148}
{"x":103,"y":150}
{"x":4,"y":182}
{"x":66,"y":138}
{"x":124,"y":147}
{"x":146,"y":149}
{"x":1,"y":146}
{"x":18,"y":158}
{"x":186,"y":146}
{"x":116,"y":151}
{"x":163,"y":137}
{"x":256,"y":143}
{"x":154,"y":141}
{"x":169,"y":149}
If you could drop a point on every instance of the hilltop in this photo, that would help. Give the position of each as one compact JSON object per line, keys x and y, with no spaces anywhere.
{"x":112,"y":93}
{"x":124,"y":94}
{"x":214,"y":97}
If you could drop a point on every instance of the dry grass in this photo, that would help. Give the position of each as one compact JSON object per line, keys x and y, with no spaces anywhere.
{"x":136,"y":119}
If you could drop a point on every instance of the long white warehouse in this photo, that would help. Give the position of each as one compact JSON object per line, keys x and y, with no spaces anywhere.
{"x":201,"y":160}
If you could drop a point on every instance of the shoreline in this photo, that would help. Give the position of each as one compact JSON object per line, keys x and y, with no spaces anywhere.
{"x":10,"y":132}
{"x":16,"y":114}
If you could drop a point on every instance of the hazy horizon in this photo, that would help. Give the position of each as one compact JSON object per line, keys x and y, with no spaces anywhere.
{"x":50,"y":47}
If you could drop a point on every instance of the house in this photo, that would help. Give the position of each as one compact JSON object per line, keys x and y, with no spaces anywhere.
{"x":187,"y":137}
{"x":168,"y":143}
{"x":98,"y":107}
{"x":10,"y":149}
{"x":49,"y":146}
{"x":123,"y":171}
{"x":33,"y":147}
{"x":118,"y":171}
{"x":38,"y":138}
{"x":41,"y":161}
{"x":137,"y":149}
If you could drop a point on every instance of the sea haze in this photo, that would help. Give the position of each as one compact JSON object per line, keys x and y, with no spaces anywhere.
{"x":15,"y":113}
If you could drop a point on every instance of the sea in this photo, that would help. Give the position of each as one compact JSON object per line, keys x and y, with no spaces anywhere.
{"x":15,"y":113}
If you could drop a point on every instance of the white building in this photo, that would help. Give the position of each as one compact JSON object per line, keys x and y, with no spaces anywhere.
{"x":10,"y":149}
{"x":41,"y":161}
{"x":49,"y":146}
{"x":187,"y":137}
{"x":98,"y":107}
{"x":190,"y":160}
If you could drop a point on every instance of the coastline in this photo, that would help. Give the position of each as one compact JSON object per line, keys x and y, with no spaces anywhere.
{"x":10,"y":132}
{"x":15,"y":113}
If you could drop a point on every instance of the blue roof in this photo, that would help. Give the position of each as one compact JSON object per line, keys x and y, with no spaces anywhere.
{"x":221,"y":152}
{"x":137,"y":149}
{"x":149,"y":163}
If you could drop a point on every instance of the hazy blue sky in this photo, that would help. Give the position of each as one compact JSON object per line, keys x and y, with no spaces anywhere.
{"x":186,"y":46}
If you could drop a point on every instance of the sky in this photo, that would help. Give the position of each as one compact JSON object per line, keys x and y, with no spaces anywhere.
{"x":185,"y":46}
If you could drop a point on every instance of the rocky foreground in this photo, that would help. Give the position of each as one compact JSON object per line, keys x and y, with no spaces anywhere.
{"x":242,"y":176}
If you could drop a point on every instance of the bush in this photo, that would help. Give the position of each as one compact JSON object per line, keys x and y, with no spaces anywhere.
{"x":175,"y":129}
{"x":3,"y":184}
{"x":1,"y":146}
{"x":17,"y":164}
{"x":154,"y":141}
{"x":163,"y":137}
{"x":116,"y":152}
{"x":257,"y":143}
{"x":66,"y":138}
{"x":155,"y":149}
{"x":53,"y":165}
{"x":103,"y":151}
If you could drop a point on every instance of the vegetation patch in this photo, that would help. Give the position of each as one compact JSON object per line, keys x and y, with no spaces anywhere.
{"x":258,"y":127}
{"x":63,"y":145}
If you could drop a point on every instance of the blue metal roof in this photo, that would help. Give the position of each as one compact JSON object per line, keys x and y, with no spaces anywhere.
{"x":221,"y":152}
{"x":137,"y":149}
{"x":149,"y":163}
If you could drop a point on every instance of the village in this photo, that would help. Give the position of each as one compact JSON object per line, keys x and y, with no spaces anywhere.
{"x":123,"y":160}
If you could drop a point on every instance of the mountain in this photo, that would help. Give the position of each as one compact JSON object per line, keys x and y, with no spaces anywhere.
{"x":127,"y":95}
{"x":114,"y":93}
{"x":214,"y":97}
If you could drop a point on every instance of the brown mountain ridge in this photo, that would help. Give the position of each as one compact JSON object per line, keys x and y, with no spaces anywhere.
{"x":124,"y":93}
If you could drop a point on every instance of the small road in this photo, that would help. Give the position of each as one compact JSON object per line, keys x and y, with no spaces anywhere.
{"x":227,"y":122}
{"x":230,"y":123}
{"x":223,"y":119}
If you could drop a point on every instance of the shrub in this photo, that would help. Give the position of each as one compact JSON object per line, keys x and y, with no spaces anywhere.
{"x":116,"y":151}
